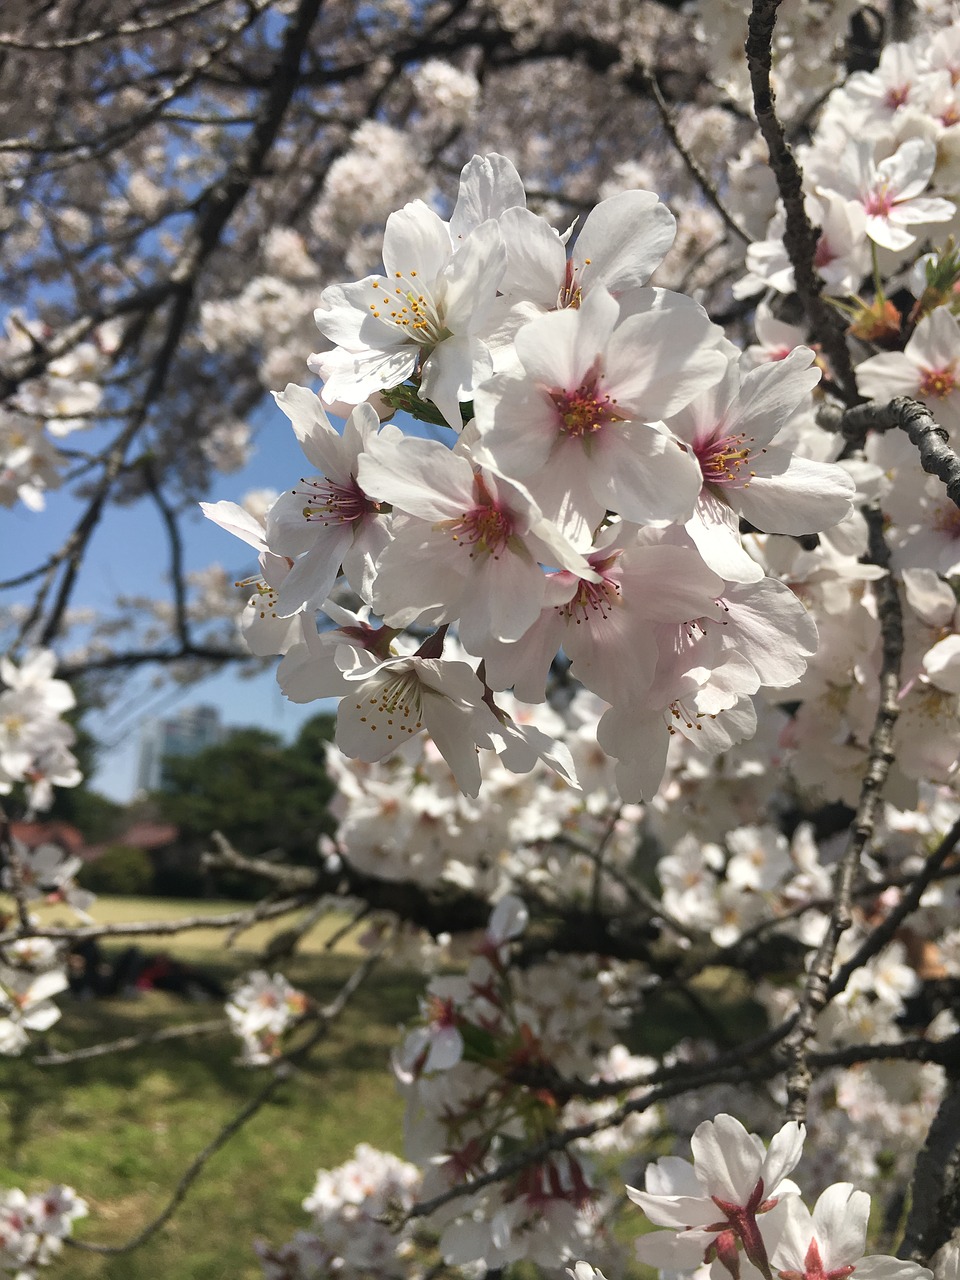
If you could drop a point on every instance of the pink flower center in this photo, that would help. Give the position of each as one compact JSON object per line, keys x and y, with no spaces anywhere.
{"x":571,"y":295}
{"x":815,"y":1270}
{"x":897,"y":96}
{"x":332,"y":503}
{"x":441,"y":1012}
{"x":937,"y":382}
{"x":878,"y":204}
{"x":586,"y":410}
{"x":724,"y":459}
{"x":486,"y":529}
{"x":824,"y":253}
{"x":591,"y":598}
{"x":947,"y":520}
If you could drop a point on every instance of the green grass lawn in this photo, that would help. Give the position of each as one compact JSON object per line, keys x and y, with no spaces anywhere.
{"x":122,"y":1129}
{"x":195,"y":942}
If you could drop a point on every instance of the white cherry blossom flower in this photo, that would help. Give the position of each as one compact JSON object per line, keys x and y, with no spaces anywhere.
{"x":471,"y":549}
{"x":730,"y":429}
{"x":828,"y":1244}
{"x":390,"y":701}
{"x":574,"y":424}
{"x":260,"y":1010}
{"x":621,"y":243}
{"x":733,"y":1179}
{"x":327,"y":520}
{"x":928,"y":369}
{"x":25,"y":1005}
{"x":608,"y":628}
{"x":890,"y":191}
{"x":424,"y":316}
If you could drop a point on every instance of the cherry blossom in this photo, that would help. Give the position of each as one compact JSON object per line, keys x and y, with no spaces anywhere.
{"x":393,"y":699}
{"x":731,"y":431}
{"x":715,"y":1202}
{"x":889,"y":191}
{"x":591,"y":383}
{"x":928,"y":369}
{"x":830,"y":1241}
{"x":472,"y":551}
{"x":423,"y":316}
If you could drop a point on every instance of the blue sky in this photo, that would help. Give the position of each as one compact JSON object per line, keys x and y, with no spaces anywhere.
{"x":128,"y":555}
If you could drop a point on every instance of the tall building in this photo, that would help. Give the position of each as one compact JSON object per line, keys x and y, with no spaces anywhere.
{"x":184,"y":734}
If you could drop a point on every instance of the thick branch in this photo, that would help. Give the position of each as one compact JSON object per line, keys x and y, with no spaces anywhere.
{"x":936,"y":456}
{"x":800,"y":237}
{"x":935,"y":1193}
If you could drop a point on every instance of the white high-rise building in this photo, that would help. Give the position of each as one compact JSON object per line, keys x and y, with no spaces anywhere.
{"x":190,"y":731}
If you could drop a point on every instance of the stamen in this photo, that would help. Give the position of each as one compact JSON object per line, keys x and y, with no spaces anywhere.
{"x":724,"y":459}
{"x":411,"y":308}
{"x":879,"y":203}
{"x":486,"y":529}
{"x":586,"y":410}
{"x":332,"y":503}
{"x":591,"y":598}
{"x":937,"y":383}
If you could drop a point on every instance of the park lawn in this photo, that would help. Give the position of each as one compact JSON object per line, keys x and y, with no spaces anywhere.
{"x":123,"y":1129}
{"x":120,"y":910}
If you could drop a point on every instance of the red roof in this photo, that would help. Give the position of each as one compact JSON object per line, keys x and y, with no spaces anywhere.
{"x":33,"y":834}
{"x":148,"y":835}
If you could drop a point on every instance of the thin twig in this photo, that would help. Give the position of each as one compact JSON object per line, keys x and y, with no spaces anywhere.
{"x":817,"y":988}
{"x":56,"y":1058}
{"x":878,"y":938}
{"x":696,"y":172}
{"x":79,"y":933}
{"x":11,"y":863}
{"x":130,"y":28}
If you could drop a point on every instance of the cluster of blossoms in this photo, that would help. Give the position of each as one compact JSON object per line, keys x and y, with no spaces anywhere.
{"x":33,"y":1228}
{"x":260,"y":1010}
{"x":404,"y":818}
{"x":481,"y":1075}
{"x":34,"y":741}
{"x":601,"y":485}
{"x":590,"y":502}
{"x":876,"y":174}
{"x":807,"y":44}
{"x":734,"y":890}
{"x":33,"y":970}
{"x":892,"y":193}
{"x":47,"y":408}
{"x":350,"y":1238}
{"x":613,"y":488}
